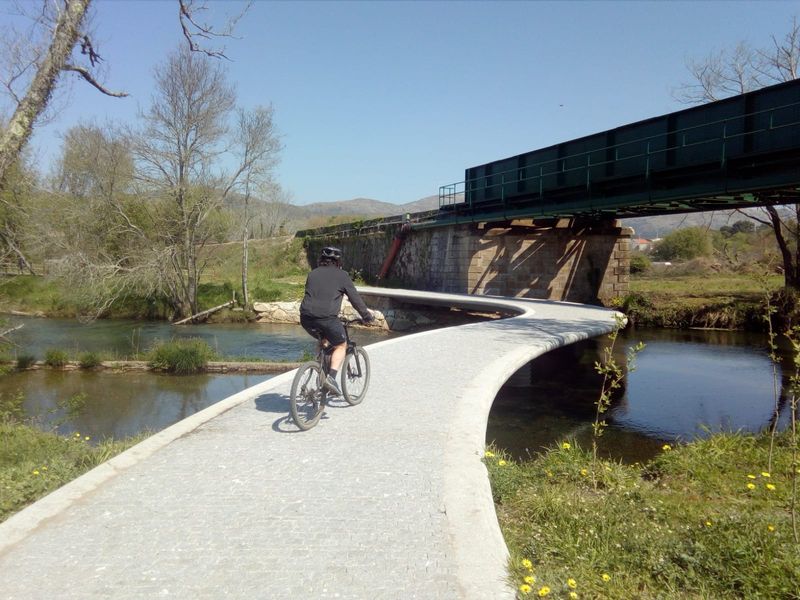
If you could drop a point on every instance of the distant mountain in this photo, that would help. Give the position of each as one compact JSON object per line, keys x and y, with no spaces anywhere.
{"x":367,"y":207}
{"x":658,"y":227}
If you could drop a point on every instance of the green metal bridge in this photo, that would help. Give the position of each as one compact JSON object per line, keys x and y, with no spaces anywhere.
{"x":739,"y":152}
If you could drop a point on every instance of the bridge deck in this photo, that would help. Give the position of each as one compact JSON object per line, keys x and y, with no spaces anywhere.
{"x":388,"y":499}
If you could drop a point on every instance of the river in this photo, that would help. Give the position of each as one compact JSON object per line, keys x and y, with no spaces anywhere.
{"x":686,"y":384}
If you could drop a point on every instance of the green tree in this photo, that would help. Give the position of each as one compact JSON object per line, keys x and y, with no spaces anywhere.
{"x":684,"y":244}
{"x":744,"y":69}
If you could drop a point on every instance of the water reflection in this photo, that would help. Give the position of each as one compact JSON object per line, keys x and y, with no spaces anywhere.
{"x":687,"y":384}
{"x":122,"y":404}
{"x":125,"y":338}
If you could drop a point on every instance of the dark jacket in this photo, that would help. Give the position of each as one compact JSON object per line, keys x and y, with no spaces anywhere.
{"x":324,"y":289}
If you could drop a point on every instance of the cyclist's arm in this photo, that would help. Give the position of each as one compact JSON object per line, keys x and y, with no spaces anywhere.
{"x":355,"y":299}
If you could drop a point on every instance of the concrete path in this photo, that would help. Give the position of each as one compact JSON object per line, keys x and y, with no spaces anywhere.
{"x":388,"y":499}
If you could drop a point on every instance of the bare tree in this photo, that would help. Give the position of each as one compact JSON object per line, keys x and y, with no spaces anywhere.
{"x":41,"y":73}
{"x":34,"y":69}
{"x":257,"y":148}
{"x":745,"y":69}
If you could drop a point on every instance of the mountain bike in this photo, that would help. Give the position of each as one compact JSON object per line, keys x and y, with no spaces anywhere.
{"x":308,"y":397}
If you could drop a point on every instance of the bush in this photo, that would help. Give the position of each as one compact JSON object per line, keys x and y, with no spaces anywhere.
{"x":89,"y":360}
{"x":181,"y":356}
{"x":25,"y":361}
{"x":684,"y":244}
{"x":55,"y":357}
{"x":640,"y":263}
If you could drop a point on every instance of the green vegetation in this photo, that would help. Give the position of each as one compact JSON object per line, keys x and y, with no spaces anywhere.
{"x":684,"y":244}
{"x":705,"y":520}
{"x":25,"y":361}
{"x":181,"y":356}
{"x":55,"y":357}
{"x":33,"y":463}
{"x":89,"y":360}
{"x":701,"y":299}
{"x":277,"y":270}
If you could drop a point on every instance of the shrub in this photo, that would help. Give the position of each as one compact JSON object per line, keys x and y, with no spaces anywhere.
{"x":55,"y":357}
{"x":181,"y":356}
{"x":89,"y":360}
{"x":640,"y":263}
{"x":684,"y":244}
{"x":25,"y":361}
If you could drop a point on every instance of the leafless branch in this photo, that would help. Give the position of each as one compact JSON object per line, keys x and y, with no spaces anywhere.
{"x":193,"y":29}
{"x":83,"y":72}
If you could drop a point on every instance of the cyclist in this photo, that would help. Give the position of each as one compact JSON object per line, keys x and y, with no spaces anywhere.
{"x":322,"y":301}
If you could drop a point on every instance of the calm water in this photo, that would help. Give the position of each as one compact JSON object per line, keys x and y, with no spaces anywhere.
{"x":686,"y":384}
{"x":122,"y":404}
{"x":126,"y":338}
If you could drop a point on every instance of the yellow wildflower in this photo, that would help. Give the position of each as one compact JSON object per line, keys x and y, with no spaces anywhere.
{"x":530,"y":579}
{"x":525,"y":589}
{"x":572,"y":583}
{"x":544,"y":591}
{"x":549,"y":473}
{"x":502,"y":463}
{"x":770,"y":487}
{"x":605,"y":577}
{"x":584,"y":472}
{"x":565,"y":445}
{"x":751,"y":486}
{"x":770,"y":527}
{"x":751,"y":476}
{"x":35,"y":472}
{"x":666,"y":447}
{"x":489,"y":453}
{"x":527,"y":564}
{"x":765,"y":474}
{"x":87,"y":438}
{"x":708,"y":523}
{"x":44,"y":468}
{"x":573,"y":596}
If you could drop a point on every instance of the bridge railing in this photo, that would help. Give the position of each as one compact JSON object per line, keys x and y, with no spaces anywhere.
{"x":709,"y":143}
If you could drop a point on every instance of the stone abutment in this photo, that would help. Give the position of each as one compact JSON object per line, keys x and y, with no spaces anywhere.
{"x":560,"y":259}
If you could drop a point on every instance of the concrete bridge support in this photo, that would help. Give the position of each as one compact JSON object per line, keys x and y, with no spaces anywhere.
{"x":557,"y":259}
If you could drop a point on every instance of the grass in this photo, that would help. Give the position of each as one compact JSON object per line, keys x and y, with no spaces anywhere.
{"x":697,"y":522}
{"x":277,"y":268}
{"x":729,"y":301}
{"x":182,"y":356}
{"x":54,"y":357}
{"x":33,"y":463}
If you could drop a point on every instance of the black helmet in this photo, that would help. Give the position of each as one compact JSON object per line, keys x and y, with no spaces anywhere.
{"x":331,"y":252}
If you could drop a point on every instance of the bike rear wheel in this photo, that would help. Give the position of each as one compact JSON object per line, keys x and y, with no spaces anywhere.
{"x":307,"y":397}
{"x":355,"y":376}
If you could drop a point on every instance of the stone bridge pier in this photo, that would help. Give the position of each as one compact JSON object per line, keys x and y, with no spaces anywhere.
{"x":554,"y":259}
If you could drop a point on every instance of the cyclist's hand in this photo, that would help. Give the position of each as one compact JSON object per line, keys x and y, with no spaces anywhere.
{"x":370,"y":318}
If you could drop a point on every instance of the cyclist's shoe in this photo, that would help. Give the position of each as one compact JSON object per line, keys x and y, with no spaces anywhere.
{"x":332,"y":386}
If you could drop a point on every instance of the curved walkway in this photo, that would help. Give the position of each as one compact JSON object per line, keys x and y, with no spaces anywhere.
{"x":388,"y":499}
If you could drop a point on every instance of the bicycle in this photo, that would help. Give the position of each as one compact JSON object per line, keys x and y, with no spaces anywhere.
{"x":308,"y":397}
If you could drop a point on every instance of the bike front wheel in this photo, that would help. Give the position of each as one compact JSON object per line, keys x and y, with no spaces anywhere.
{"x":306,"y":400}
{"x":355,"y":376}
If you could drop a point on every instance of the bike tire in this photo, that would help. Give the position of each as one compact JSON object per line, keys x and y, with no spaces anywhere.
{"x":306,"y":400}
{"x":354,"y":385}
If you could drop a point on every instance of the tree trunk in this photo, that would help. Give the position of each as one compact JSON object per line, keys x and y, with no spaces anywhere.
{"x":20,"y":126}
{"x":791,"y":277}
{"x":245,"y":295}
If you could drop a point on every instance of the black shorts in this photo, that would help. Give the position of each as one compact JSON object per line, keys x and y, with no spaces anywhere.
{"x":330,"y":328}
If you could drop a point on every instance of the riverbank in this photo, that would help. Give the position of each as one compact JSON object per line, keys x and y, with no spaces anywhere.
{"x":34,"y":463}
{"x":705,"y":519}
{"x":123,"y":366}
{"x":710,"y":301}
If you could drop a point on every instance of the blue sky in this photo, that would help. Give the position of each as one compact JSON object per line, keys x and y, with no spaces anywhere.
{"x":390,"y":100}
